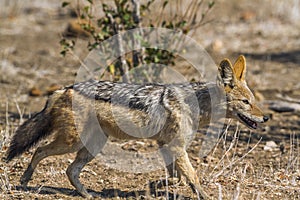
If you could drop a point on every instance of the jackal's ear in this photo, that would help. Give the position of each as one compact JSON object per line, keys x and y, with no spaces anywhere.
{"x":239,"y":68}
{"x":226,"y":74}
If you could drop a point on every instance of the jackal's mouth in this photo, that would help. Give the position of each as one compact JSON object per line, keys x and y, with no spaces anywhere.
{"x":250,"y":123}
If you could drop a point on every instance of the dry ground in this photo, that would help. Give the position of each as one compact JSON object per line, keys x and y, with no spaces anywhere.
{"x":244,"y":165}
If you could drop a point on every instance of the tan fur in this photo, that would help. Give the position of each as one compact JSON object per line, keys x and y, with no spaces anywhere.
{"x":67,"y":126}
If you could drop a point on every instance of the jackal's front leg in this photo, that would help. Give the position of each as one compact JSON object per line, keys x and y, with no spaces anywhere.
{"x":73,"y":171}
{"x":186,"y":169}
{"x":174,"y":174}
{"x":182,"y":165}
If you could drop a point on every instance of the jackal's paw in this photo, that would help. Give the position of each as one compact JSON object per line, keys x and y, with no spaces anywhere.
{"x":201,"y":193}
{"x":172,"y":181}
{"x":84,"y":193}
{"x":88,"y":196}
{"x":26,"y":176}
{"x":24,"y":181}
{"x":205,"y":196}
{"x":176,"y":181}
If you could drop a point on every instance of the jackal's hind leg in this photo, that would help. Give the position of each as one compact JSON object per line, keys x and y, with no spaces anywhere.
{"x":57,"y":147}
{"x":73,"y":171}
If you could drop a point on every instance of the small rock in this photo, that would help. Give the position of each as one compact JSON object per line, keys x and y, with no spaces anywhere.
{"x":283,"y":106}
{"x":247,"y":16}
{"x":217,"y":45}
{"x":270,"y":146}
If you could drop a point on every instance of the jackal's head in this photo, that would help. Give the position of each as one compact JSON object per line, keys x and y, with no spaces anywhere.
{"x":240,"y":100}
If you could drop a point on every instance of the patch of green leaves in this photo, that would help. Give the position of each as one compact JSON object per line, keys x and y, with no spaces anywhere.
{"x":120,"y":17}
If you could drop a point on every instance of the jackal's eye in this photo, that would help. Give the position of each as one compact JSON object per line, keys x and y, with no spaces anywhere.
{"x":245,"y":101}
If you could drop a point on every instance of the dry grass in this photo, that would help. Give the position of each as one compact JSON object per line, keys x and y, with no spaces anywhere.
{"x":244,"y":170}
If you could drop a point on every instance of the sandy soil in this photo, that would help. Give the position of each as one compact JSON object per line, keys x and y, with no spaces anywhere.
{"x":246,"y":164}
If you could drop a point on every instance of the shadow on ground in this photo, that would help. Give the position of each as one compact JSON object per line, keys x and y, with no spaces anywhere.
{"x":282,"y":57}
{"x":105,"y":193}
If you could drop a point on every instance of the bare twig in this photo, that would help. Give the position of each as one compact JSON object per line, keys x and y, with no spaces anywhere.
{"x":224,"y":132}
{"x":237,"y":160}
{"x":19,"y":111}
{"x":136,"y":11}
{"x":124,"y":67}
{"x":82,"y":63}
{"x":220,"y":191}
{"x":237,"y":192}
{"x":138,"y":52}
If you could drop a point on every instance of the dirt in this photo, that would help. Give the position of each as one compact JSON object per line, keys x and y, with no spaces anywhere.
{"x":245,"y":164}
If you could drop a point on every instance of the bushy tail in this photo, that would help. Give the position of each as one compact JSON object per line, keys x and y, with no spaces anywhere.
{"x":29,"y":133}
{"x":32,"y":131}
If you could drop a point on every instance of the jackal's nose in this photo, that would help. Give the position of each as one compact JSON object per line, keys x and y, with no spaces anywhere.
{"x":265,"y":118}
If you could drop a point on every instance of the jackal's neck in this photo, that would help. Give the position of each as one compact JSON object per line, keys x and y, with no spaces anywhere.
{"x":212,"y":103}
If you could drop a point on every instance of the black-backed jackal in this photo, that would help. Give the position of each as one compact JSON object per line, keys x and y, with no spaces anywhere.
{"x":141,"y":102}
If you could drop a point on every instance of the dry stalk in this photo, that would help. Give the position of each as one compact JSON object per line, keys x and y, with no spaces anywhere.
{"x":138,"y":51}
{"x":237,"y":160}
